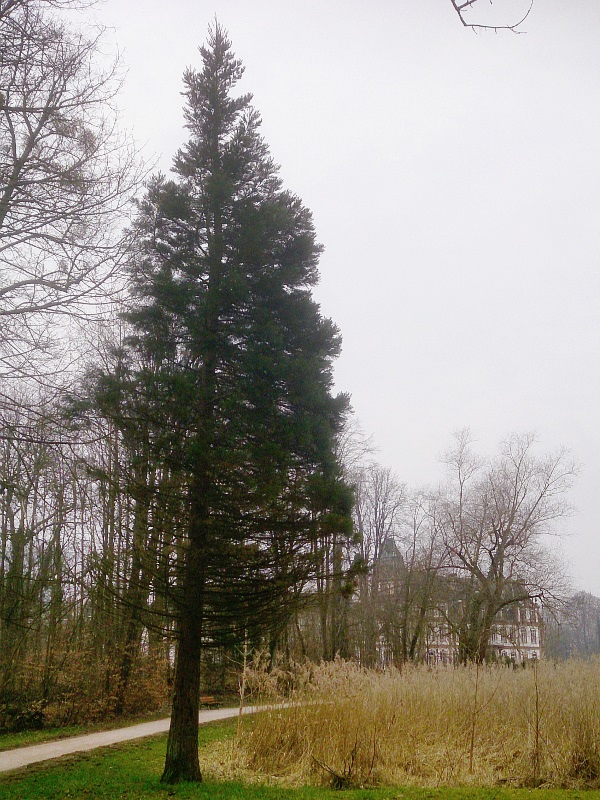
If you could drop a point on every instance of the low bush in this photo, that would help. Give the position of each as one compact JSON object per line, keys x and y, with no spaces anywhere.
{"x":24,"y":716}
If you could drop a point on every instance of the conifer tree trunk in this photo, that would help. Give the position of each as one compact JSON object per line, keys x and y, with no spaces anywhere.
{"x":181,"y":763}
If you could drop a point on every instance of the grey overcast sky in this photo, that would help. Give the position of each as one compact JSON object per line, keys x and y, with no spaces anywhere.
{"x":454,"y":180}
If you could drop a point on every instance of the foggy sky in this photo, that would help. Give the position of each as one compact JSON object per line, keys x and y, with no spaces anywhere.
{"x":454,"y":180}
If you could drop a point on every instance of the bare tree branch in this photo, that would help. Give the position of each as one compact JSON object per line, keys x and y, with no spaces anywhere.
{"x":67,"y":177}
{"x":460,"y":6}
{"x":493,"y":519}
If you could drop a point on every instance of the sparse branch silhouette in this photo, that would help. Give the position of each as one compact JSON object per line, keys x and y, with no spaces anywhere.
{"x":463,"y":7}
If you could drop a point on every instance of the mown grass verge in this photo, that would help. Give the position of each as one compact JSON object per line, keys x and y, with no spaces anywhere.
{"x":133,"y":771}
{"x":129,"y":770}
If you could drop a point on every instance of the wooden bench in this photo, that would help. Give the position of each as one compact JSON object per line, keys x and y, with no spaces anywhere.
{"x":207,"y":701}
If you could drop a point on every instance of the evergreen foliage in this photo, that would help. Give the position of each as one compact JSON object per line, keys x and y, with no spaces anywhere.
{"x":226,"y":379}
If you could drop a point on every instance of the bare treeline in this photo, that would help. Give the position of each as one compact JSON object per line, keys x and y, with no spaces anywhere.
{"x":454,"y":558}
{"x":74,"y":579}
{"x":67,"y":177}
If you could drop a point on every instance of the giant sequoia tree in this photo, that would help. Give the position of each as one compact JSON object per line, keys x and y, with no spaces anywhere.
{"x":228,"y":373}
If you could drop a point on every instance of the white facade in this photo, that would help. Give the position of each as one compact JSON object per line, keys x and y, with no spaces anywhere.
{"x":516,"y":636}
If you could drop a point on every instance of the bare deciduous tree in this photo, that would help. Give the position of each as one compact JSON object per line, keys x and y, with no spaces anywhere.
{"x":66,"y":177}
{"x":380,"y":500}
{"x":492,"y":519}
{"x":424,"y":556}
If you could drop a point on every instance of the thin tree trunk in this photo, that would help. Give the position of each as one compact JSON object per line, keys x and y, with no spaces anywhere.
{"x":137,"y":592}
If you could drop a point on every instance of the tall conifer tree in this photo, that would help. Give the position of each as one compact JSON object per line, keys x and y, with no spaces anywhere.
{"x":231,"y":362}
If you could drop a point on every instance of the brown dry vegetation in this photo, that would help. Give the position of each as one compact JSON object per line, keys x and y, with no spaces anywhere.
{"x":483,"y":726}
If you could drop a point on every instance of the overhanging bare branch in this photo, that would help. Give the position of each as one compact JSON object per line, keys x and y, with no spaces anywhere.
{"x":460,"y":6}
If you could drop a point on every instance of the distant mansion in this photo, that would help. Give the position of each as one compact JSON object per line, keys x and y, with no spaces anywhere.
{"x":516,"y":634}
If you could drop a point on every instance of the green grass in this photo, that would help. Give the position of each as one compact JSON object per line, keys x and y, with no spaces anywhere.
{"x":133,"y":772}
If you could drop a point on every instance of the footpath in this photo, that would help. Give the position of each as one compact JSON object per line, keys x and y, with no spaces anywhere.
{"x":23,"y":756}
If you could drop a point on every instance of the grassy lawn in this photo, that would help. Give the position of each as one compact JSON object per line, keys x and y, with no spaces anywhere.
{"x":133,"y":771}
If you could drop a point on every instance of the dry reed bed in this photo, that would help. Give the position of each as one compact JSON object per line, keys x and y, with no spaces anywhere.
{"x":480,"y":726}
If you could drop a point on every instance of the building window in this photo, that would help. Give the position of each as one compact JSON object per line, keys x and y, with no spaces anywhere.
{"x":533,"y":632}
{"x":523,"y":635}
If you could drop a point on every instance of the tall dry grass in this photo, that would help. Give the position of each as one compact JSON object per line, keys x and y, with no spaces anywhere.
{"x":482,"y":726}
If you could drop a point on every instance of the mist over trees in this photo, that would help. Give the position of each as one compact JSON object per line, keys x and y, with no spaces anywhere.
{"x":457,"y":557}
{"x":574,"y":631}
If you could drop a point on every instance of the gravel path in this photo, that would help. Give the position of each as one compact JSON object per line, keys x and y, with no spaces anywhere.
{"x":13,"y":759}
